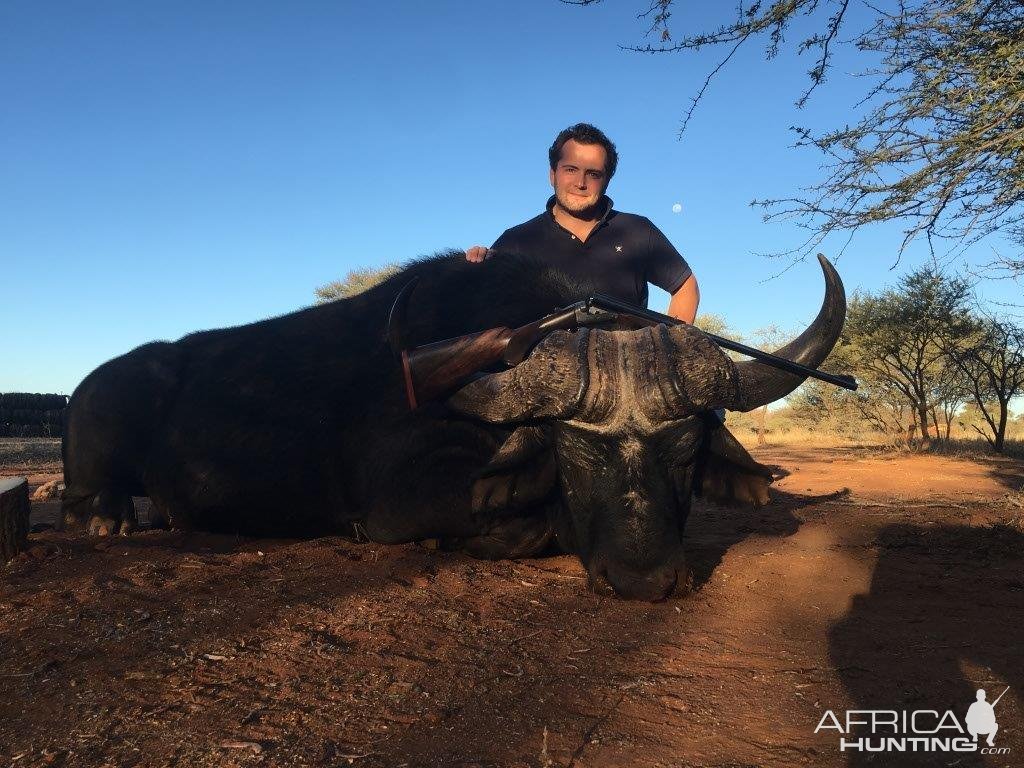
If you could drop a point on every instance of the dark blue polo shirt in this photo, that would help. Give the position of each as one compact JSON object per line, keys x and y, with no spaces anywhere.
{"x":621,"y":256}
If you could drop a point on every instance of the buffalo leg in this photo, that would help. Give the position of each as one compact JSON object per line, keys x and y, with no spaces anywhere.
{"x":437,"y":494}
{"x":108,"y":431}
{"x":424,"y":487}
{"x":512,"y":538}
{"x":101,"y":514}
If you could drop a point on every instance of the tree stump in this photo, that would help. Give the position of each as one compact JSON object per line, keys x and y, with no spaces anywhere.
{"x":14,"y":510}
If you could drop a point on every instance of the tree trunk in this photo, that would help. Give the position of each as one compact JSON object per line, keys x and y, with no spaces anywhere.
{"x":762,"y":417}
{"x":1001,"y":431}
{"x":922,"y":420}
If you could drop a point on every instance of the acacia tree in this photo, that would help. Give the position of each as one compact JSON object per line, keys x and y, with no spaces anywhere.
{"x":938,"y":139}
{"x":768,"y":337}
{"x":952,"y":389}
{"x":710,"y":322}
{"x":884,"y":406}
{"x":1017,"y":422}
{"x":887,"y":409}
{"x":899,"y":338}
{"x":355,"y":282}
{"x":819,"y":405}
{"x":993,"y":363}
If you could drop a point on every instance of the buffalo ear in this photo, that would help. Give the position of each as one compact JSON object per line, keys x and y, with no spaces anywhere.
{"x":520,"y":474}
{"x":730,"y":474}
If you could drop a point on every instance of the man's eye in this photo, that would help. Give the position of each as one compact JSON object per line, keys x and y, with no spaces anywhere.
{"x":594,"y":175}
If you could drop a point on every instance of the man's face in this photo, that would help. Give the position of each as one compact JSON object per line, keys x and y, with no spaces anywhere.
{"x":579,"y":179}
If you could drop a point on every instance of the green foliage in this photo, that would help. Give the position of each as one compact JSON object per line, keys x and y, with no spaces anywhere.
{"x":992,"y":362}
{"x":938,"y":138}
{"x":824,"y":407}
{"x":896,"y":341}
{"x":920,"y":352}
{"x":355,"y":282}
{"x":709,"y":322}
{"x":971,"y":417}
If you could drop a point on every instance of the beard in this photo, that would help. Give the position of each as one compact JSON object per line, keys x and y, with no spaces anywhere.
{"x":584,"y":211}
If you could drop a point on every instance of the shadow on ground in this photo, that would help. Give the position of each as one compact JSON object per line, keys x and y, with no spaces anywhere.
{"x":942,"y":619}
{"x":713,"y":530}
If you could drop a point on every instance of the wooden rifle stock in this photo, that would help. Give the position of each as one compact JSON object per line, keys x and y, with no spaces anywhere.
{"x":434,"y":369}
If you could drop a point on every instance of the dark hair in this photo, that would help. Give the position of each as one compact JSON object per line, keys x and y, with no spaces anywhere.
{"x":584,"y":133}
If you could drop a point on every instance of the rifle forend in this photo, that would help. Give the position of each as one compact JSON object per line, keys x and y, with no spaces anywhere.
{"x":434,"y":369}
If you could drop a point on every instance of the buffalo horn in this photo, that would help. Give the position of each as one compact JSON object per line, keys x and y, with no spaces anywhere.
{"x":549,"y":384}
{"x":759,"y":384}
{"x":396,"y":318}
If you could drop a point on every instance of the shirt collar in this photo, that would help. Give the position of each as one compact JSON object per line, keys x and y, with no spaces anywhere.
{"x":605,"y":200}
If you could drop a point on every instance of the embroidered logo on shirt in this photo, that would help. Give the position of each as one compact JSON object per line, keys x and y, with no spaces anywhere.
{"x":618,"y":249}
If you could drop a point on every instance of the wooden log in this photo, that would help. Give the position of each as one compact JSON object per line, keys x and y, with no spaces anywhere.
{"x":14,"y":511}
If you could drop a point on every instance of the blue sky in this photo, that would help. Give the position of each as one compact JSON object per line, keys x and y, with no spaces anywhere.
{"x":172,"y":166}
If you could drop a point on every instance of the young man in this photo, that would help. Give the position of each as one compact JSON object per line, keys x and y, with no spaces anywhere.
{"x":582,"y":235}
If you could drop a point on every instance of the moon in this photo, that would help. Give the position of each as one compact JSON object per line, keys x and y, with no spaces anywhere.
{"x":677,"y":208}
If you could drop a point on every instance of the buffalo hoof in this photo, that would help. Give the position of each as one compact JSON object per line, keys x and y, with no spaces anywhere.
{"x":108,"y":526}
{"x":511,"y":539}
{"x":102,"y":514}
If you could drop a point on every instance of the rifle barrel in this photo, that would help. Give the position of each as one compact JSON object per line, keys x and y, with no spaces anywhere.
{"x":1000,"y":696}
{"x":611,"y":304}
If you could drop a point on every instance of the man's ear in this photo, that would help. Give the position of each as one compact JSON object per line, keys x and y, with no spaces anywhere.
{"x":520,"y":474}
{"x":730,"y":475}
{"x":551,"y":177}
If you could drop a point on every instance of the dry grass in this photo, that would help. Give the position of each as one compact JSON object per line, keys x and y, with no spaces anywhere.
{"x":971,"y":448}
{"x":808,"y":437}
{"x":29,"y":451}
{"x":963,"y":447}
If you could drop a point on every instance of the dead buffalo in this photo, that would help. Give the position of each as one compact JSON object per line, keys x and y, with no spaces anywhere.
{"x":299,"y":426}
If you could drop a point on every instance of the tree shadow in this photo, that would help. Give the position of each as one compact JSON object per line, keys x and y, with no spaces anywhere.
{"x":1007,"y":472}
{"x":713,"y":530}
{"x":941,"y":597}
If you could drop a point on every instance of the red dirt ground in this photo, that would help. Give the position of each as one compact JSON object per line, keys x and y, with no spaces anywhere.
{"x":872,"y":582}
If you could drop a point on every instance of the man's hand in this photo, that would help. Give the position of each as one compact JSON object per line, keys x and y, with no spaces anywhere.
{"x":477,"y":253}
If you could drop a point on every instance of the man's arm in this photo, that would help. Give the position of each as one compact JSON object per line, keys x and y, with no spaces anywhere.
{"x":665,"y":268}
{"x":683,"y":305}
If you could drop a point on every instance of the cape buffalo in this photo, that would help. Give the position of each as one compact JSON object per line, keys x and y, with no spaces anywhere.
{"x":299,"y":426}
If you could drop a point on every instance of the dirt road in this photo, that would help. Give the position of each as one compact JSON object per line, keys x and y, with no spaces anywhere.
{"x":873,"y":582}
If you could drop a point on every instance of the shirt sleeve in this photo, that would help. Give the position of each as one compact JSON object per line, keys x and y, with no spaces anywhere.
{"x":666,"y":267}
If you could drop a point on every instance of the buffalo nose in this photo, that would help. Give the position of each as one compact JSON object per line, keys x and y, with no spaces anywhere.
{"x":651,"y":585}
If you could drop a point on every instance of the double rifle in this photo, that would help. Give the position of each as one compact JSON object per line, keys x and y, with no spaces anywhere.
{"x":434,"y":369}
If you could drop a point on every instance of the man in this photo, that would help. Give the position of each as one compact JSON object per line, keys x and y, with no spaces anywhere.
{"x":582,"y":235}
{"x":981,"y":718}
